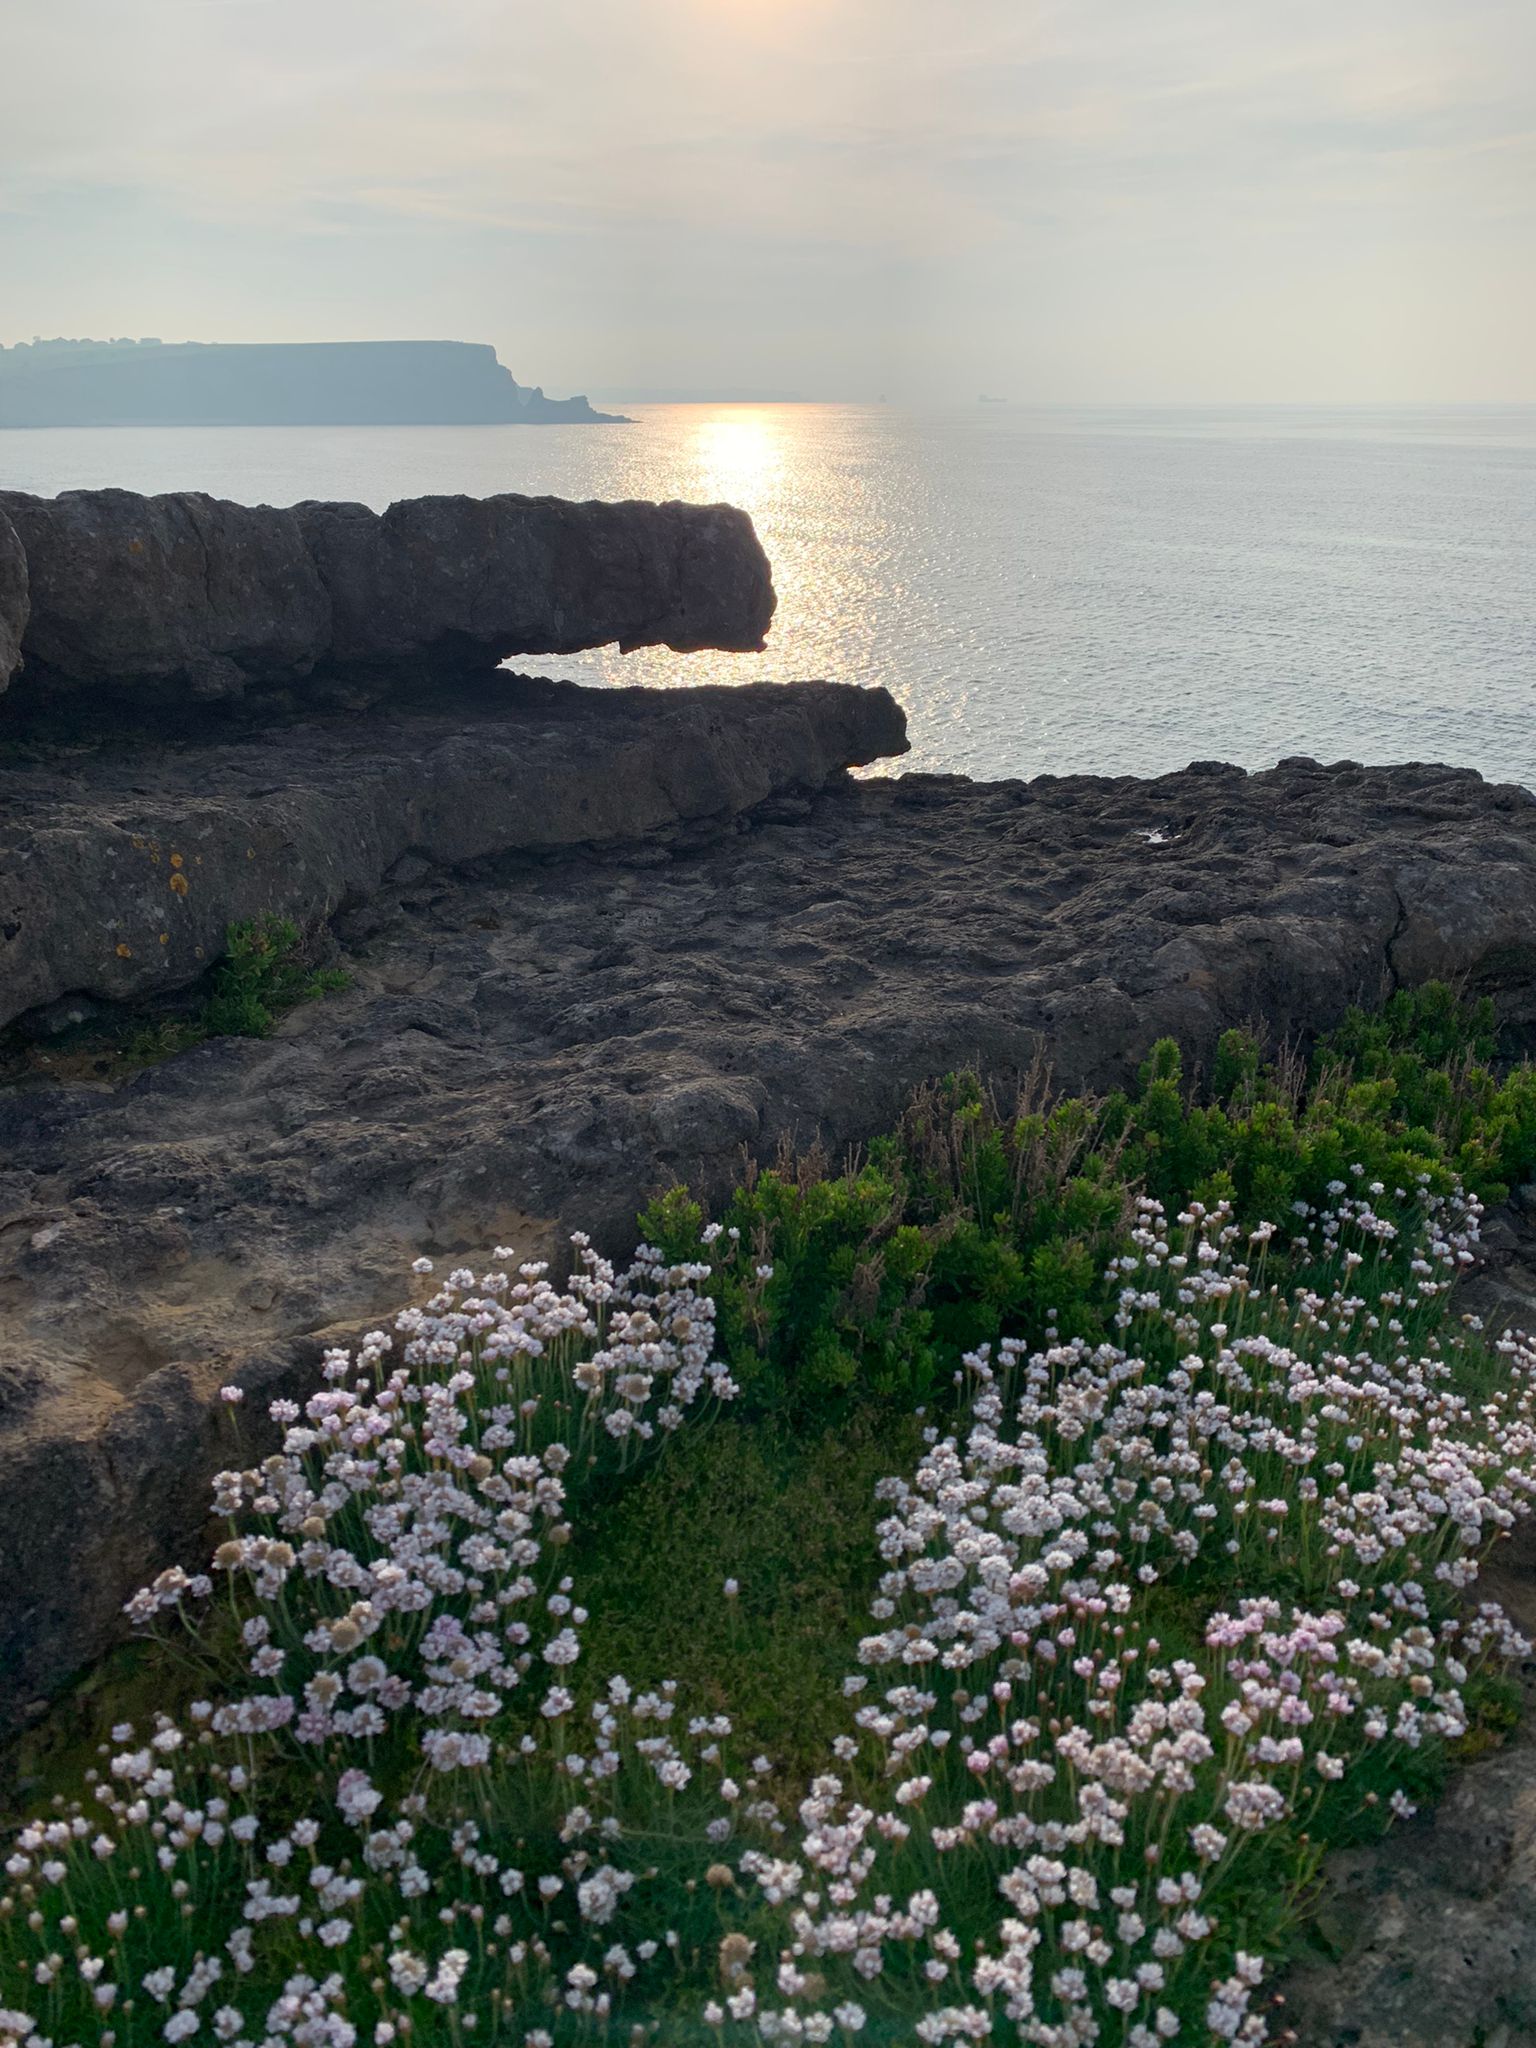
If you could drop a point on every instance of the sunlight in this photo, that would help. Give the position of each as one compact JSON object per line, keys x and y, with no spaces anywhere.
{"x":739,"y":454}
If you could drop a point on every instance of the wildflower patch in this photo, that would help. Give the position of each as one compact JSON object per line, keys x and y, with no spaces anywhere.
{"x":1171,"y":1594}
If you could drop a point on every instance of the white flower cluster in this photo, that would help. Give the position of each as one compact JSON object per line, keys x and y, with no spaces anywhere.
{"x":1151,"y":1602}
{"x":403,"y":1645}
{"x":1042,"y":1739}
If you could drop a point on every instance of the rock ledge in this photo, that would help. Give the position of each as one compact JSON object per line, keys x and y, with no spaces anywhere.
{"x":122,"y":864}
{"x":187,"y":596}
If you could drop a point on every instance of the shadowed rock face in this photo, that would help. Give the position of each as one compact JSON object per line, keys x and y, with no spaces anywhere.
{"x":14,"y":602}
{"x":186,"y":593}
{"x":539,"y":1040}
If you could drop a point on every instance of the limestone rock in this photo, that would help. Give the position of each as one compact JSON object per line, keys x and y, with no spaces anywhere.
{"x":538,"y":1040}
{"x":15,"y":603}
{"x":121,"y":865}
{"x":183,"y":588}
{"x":187,"y":594}
{"x":467,"y":582}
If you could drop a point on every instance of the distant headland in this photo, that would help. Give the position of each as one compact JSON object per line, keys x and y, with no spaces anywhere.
{"x":152,"y":383}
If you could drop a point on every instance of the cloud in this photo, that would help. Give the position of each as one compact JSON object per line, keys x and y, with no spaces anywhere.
{"x":1015,"y":155}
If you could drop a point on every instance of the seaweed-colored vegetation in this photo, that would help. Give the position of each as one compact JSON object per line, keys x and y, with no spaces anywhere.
{"x":265,"y":971}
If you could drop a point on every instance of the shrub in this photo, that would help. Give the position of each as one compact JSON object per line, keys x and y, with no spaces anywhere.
{"x":261,"y":975}
{"x":969,"y":1220}
{"x":873,"y":1282}
{"x":1432,"y":1056}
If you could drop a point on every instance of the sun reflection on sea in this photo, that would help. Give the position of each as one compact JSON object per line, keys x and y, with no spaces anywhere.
{"x":761,"y":458}
{"x":739,"y":455}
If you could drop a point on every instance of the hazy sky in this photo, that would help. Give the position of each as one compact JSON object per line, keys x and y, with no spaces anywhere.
{"x":1117,"y":199}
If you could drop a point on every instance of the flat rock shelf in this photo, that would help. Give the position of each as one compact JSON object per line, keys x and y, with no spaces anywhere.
{"x":124,"y":855}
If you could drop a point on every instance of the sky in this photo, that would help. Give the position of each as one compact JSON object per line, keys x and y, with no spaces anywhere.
{"x":1148,"y":201}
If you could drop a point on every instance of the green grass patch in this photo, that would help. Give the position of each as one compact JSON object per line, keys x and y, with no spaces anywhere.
{"x":790,"y":1516}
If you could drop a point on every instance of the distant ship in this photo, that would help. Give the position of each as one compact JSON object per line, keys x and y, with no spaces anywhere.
{"x":151,"y":383}
{"x":985,"y":400}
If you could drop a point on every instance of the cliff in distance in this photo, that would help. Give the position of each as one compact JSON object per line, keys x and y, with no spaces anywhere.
{"x":271,"y":384}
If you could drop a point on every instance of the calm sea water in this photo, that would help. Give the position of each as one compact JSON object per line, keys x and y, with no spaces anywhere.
{"x":1115,"y":590}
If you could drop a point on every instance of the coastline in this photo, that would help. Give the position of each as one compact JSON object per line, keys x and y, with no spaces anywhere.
{"x":590,"y":942}
{"x":152,"y":383}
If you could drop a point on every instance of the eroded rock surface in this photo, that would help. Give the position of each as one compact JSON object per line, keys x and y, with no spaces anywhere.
{"x":185,"y":593}
{"x":122,"y":864}
{"x":536,"y":1042}
{"x":15,"y":603}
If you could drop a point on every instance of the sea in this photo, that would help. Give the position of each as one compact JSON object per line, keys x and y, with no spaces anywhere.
{"x":1046,"y":590}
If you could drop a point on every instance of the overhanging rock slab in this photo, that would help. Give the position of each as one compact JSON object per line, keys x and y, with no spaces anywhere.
{"x":188,"y":595}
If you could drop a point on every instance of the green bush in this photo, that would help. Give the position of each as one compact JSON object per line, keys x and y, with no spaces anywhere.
{"x":874,"y":1282}
{"x":968,"y":1220}
{"x":262,"y":974}
{"x":1433,"y":1055}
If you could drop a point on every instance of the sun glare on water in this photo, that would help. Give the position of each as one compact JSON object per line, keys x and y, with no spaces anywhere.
{"x":738,"y":457}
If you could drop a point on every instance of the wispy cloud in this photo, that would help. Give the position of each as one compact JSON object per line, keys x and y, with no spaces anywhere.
{"x":1040,"y":164}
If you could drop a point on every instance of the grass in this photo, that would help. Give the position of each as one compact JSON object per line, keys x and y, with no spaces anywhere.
{"x":787,"y":1515}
